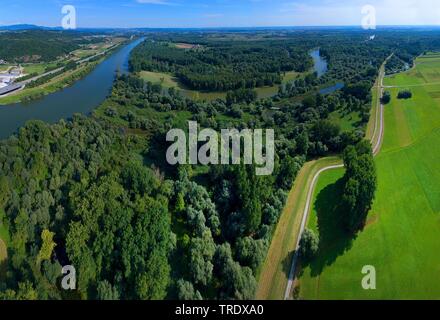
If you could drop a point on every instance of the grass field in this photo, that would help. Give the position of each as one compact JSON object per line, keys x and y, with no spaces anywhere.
{"x":346,"y":121}
{"x":402,"y":237}
{"x":168,"y":81}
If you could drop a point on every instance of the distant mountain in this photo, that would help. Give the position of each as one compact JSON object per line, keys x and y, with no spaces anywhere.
{"x":22,"y":27}
{"x":19,"y":27}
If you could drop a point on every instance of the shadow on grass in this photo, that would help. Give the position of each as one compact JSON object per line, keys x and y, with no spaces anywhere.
{"x":3,"y":260}
{"x":334,"y":240}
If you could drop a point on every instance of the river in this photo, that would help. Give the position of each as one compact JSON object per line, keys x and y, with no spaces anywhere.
{"x":320,"y":66}
{"x":82,"y":97}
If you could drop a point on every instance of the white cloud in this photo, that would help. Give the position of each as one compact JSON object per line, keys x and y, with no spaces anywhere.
{"x":348,"y":12}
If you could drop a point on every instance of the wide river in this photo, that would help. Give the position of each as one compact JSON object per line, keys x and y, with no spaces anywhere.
{"x":82,"y":97}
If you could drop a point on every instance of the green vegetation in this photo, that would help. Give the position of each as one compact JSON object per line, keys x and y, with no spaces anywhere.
{"x":111,"y":202}
{"x":50,"y":84}
{"x":404,"y":94}
{"x":386,"y":98}
{"x":401,"y":232}
{"x":359,"y":185}
{"x":309,"y":244}
{"x":97,"y":193}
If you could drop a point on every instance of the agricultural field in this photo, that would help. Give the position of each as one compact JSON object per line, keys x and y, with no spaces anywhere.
{"x":401,"y":237}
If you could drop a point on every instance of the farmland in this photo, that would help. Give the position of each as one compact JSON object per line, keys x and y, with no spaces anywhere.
{"x":401,"y":236}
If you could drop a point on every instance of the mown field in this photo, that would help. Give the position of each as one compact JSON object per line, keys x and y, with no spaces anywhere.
{"x":402,"y":237}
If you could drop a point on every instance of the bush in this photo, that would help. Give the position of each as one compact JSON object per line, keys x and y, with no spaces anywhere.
{"x":309,"y":244}
{"x":386,"y":98}
{"x":405,"y":94}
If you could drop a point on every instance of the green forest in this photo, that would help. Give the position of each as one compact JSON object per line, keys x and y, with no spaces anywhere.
{"x":40,"y":46}
{"x":222,"y":66}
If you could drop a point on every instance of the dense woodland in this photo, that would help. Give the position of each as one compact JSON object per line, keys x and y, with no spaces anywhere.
{"x":222,"y":66}
{"x":97,"y":193}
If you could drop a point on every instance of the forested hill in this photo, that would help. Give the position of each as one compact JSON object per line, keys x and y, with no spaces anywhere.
{"x":39,"y":45}
{"x":222,"y":66}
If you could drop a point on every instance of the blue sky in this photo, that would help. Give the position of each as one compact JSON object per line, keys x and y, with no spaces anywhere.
{"x":219,"y":13}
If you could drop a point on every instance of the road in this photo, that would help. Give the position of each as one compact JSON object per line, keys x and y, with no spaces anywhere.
{"x":376,"y":140}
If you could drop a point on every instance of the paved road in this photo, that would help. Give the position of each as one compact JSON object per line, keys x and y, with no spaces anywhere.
{"x":377,"y":134}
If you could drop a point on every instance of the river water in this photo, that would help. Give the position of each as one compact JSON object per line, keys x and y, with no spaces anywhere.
{"x":82,"y":97}
{"x":320,"y":66}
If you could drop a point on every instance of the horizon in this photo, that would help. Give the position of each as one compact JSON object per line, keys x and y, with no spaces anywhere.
{"x":197,"y":14}
{"x":268,"y":27}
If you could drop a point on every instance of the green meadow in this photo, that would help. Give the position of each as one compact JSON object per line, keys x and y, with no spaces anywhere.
{"x":402,"y":236}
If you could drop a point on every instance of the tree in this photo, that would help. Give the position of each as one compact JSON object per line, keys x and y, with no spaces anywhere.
{"x":4,"y":190}
{"x":105,"y":291}
{"x":186,"y":291}
{"x":251,"y":192}
{"x":404,"y":94}
{"x":309,"y":244}
{"x":386,"y":98}
{"x":360,"y":184}
{"x":47,"y":246}
{"x":201,"y":252}
{"x":251,"y":252}
{"x":237,"y":282}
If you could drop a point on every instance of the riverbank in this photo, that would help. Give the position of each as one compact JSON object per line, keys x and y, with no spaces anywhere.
{"x":280,"y":267}
{"x":59,"y":81}
{"x":83,"y":96}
